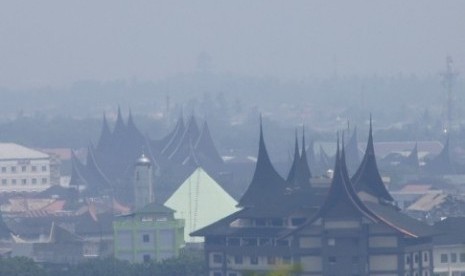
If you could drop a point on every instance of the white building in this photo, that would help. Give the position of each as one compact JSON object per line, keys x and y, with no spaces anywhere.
{"x":23,"y":169}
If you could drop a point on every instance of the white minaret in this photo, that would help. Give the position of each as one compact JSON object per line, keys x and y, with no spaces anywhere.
{"x":143,"y":186}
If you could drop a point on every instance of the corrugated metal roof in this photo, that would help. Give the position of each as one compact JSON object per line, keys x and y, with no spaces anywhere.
{"x":15,"y":151}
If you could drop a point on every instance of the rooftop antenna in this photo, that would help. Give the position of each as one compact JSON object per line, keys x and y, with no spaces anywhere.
{"x":448,"y":79}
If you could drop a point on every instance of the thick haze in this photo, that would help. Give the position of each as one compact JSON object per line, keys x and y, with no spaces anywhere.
{"x":59,"y":42}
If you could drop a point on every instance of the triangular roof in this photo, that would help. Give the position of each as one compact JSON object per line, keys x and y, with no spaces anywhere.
{"x":303,"y":173}
{"x":167,"y":138}
{"x":353,"y":153}
{"x":190,"y":136}
{"x":175,"y":138}
{"x":200,"y":201}
{"x":95,"y":175}
{"x":78,"y":171}
{"x":133,"y":133}
{"x":267,"y":185}
{"x":441,"y":164}
{"x":154,"y":208}
{"x":206,"y":146}
{"x":104,"y":140}
{"x":411,"y":161}
{"x":341,"y":200}
{"x":367,"y":177}
{"x":120,"y":128}
{"x":60,"y":235}
{"x":291,"y":175}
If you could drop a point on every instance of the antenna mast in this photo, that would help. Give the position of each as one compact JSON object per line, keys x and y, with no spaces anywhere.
{"x":448,"y":78}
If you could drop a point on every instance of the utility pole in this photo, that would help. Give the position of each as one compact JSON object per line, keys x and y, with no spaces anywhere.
{"x":448,"y":79}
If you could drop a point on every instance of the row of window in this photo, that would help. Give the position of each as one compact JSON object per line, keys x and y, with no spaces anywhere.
{"x":416,"y":258}
{"x":24,"y":181}
{"x":14,"y":169}
{"x":238,"y":259}
{"x":453,"y":258}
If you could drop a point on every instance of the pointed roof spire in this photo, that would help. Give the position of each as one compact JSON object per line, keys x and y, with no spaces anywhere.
{"x":353,"y":153}
{"x":367,"y":177}
{"x":120,"y":127}
{"x":291,"y":174}
{"x":104,"y":140}
{"x":267,"y":185}
{"x":206,"y":146}
{"x":442,"y":163}
{"x":341,"y":199}
{"x":303,"y":173}
{"x":411,"y":161}
{"x":175,"y":139}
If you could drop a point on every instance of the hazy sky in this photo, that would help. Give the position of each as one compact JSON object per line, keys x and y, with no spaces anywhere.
{"x":57,"y":42}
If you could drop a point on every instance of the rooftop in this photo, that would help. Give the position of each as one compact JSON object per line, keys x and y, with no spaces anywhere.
{"x":15,"y":151}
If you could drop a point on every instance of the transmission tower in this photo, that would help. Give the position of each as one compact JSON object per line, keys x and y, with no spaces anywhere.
{"x":448,"y":79}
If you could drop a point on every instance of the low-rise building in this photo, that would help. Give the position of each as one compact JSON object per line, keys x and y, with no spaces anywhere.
{"x":23,"y":169}
{"x":150,"y":233}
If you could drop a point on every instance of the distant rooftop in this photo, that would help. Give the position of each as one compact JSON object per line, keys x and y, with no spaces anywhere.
{"x":15,"y":151}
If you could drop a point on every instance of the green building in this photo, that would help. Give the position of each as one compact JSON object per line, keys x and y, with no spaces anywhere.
{"x":149,"y":233}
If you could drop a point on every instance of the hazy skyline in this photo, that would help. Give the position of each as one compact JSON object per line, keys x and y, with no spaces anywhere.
{"x":58,"y":42}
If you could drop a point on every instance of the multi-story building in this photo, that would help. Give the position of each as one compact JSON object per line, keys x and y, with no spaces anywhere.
{"x":353,"y":229}
{"x":151,"y":233}
{"x":23,"y":169}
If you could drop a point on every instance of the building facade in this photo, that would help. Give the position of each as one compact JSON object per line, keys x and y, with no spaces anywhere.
{"x":23,"y":169}
{"x":149,"y":234}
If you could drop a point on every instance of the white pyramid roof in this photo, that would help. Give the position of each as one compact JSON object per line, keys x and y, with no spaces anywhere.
{"x":200,"y":201}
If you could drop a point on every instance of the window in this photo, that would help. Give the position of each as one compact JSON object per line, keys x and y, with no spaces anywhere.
{"x":425,"y":257}
{"x":238,"y":259}
{"x":24,"y":181}
{"x":453,"y":257}
{"x":277,"y":222}
{"x":217,"y":258}
{"x":217,"y":274}
{"x":407,"y":259}
{"x":44,"y":180}
{"x":444,"y":258}
{"x":331,"y":260}
{"x":146,"y":258}
{"x":416,"y":258}
{"x":331,"y":242}
{"x":232,"y":274}
{"x":3,"y":169}
{"x":462,"y":257}
{"x":254,"y":260}
{"x":265,"y":241}
{"x":297,"y":221}
{"x":33,"y":168}
{"x":146,"y":238}
{"x":13,"y":169}
{"x":13,"y":181}
{"x":23,"y":168}
{"x":4,"y":182}
{"x":34,"y":181}
{"x":355,"y":260}
{"x":271,"y":260}
{"x":44,"y":168}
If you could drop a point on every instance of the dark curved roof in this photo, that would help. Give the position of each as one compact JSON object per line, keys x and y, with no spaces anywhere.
{"x":291,"y":175}
{"x":206,"y":147}
{"x":341,"y":200}
{"x":267,"y":185}
{"x":367,"y":177}
{"x":441,"y":164}
{"x":190,"y":136}
{"x":411,"y":161}
{"x":353,"y":153}
{"x":104,"y":140}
